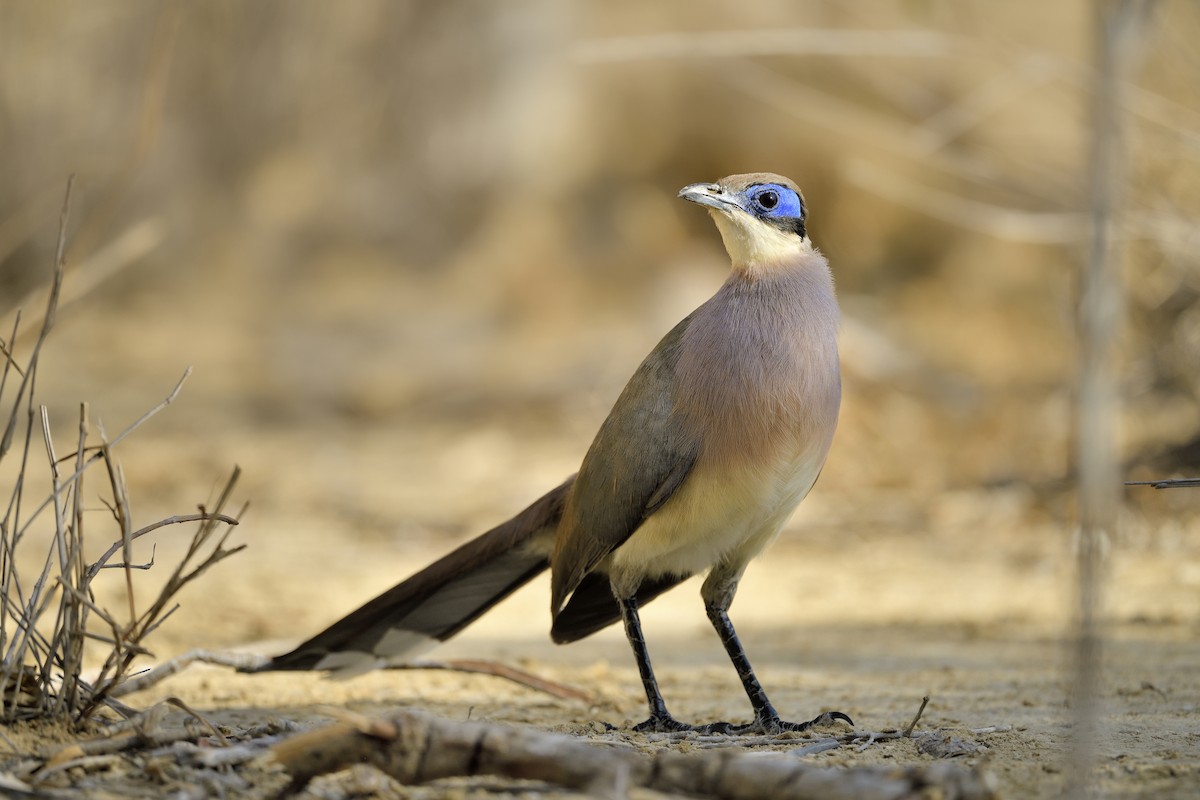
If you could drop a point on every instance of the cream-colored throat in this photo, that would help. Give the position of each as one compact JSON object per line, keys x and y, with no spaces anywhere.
{"x":755,"y":246}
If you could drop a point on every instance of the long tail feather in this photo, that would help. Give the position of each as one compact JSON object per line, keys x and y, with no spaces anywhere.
{"x":440,"y":600}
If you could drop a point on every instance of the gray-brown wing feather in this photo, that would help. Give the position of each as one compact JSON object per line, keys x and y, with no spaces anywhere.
{"x":639,"y":459}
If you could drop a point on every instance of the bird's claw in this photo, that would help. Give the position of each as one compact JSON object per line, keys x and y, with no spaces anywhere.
{"x":763,"y":726}
{"x":773,"y":725}
{"x":770,"y":726}
{"x":831,"y":716}
{"x":663,"y":723}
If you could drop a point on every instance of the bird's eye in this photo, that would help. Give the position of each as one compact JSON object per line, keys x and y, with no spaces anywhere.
{"x":771,"y":202}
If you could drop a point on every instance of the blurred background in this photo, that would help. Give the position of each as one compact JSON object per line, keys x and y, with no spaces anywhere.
{"x":413,"y":251}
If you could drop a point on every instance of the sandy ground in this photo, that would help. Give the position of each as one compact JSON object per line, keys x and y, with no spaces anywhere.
{"x":838,"y":615}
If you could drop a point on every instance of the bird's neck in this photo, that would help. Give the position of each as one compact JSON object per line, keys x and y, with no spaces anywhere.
{"x":781,"y":308}
{"x":757,"y":249}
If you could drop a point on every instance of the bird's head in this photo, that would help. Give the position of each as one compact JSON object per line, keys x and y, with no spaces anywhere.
{"x":761,"y":217}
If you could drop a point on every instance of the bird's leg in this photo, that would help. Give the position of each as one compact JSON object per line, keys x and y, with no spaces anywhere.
{"x":660,"y":720}
{"x":717,"y":598}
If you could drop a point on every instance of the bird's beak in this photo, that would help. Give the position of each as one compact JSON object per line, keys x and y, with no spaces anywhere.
{"x":712,"y":195}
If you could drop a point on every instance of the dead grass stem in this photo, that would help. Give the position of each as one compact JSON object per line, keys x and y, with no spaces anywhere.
{"x":45,"y":624}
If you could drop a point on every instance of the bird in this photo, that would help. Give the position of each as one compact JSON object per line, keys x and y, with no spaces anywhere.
{"x":720,"y":433}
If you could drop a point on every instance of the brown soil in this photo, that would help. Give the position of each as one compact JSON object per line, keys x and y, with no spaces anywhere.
{"x":863,"y":617}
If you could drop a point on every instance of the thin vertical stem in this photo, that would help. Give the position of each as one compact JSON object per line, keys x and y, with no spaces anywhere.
{"x":1100,"y":309}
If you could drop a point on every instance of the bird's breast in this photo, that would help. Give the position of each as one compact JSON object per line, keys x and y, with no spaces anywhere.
{"x":757,"y":383}
{"x":758,"y":378}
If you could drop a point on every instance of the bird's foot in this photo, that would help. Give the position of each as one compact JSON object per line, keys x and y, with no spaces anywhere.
{"x":772,"y":725}
{"x":762,"y":725}
{"x":663,"y":723}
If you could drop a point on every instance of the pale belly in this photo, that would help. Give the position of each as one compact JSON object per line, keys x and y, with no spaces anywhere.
{"x":718,"y":516}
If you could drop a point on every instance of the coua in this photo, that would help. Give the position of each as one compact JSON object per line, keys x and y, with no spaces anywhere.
{"x":716,"y":439}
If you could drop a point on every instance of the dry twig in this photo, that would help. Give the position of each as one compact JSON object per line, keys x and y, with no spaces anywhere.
{"x":116,"y":667}
{"x":1168,"y":483}
{"x":240,"y":661}
{"x":519,"y":676}
{"x":416,"y":748}
{"x":253,"y":662}
{"x":43,"y":626}
{"x":917,"y":718}
{"x":145,"y":729}
{"x":1118,"y":24}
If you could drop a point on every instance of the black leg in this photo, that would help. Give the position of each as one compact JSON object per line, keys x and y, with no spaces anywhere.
{"x":660,"y":719}
{"x":766,"y":719}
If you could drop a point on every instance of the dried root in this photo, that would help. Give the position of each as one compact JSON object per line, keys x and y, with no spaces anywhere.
{"x":414,"y":748}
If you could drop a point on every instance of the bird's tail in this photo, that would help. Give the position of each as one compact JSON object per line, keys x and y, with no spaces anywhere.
{"x":437,"y":602}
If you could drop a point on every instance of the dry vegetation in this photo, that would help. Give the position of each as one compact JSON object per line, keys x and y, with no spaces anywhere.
{"x":413,"y":250}
{"x":51,"y":627}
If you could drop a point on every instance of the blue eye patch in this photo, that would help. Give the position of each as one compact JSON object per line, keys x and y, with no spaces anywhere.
{"x":772,"y":201}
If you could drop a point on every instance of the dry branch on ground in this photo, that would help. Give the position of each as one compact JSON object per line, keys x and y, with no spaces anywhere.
{"x":414,"y":748}
{"x":253,"y":662}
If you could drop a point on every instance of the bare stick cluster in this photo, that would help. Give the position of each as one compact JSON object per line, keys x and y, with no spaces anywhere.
{"x":46,"y":619}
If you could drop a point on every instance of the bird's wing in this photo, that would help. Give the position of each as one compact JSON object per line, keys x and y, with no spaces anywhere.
{"x":639,"y":459}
